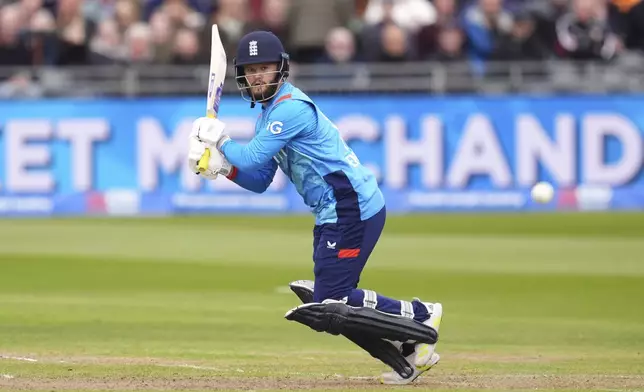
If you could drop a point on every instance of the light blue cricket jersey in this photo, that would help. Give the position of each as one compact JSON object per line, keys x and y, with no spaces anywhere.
{"x":294,"y":134}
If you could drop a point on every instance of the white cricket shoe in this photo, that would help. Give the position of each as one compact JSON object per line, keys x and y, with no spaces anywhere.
{"x":424,"y":356}
{"x":393,"y":378}
{"x":425,"y":351}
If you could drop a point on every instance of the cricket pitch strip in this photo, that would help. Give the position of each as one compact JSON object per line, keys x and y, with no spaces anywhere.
{"x":142,"y":374}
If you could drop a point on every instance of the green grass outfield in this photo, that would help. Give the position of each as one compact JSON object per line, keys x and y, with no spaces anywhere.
{"x":552,"y":302}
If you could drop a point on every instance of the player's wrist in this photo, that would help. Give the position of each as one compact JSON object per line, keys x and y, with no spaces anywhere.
{"x":220,"y":144}
{"x":233,"y":173}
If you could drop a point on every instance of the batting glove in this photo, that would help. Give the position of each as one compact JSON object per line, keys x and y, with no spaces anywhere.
{"x":210,"y":131}
{"x":217,"y":164}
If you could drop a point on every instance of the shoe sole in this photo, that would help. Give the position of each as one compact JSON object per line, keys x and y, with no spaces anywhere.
{"x":417,"y":373}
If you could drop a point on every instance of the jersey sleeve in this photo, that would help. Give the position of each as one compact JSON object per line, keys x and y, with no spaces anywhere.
{"x":255,"y":181}
{"x":287,"y":120}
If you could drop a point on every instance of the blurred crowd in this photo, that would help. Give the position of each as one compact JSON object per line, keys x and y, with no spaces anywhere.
{"x":79,"y":32}
{"x":82,"y":32}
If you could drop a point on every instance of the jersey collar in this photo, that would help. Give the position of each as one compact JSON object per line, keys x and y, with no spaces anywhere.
{"x":284,"y":89}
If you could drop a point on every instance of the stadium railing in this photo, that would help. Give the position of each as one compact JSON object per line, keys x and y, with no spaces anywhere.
{"x":625,"y":74}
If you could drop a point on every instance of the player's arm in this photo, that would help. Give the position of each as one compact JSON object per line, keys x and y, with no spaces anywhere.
{"x":255,"y":181}
{"x":285,"y":122}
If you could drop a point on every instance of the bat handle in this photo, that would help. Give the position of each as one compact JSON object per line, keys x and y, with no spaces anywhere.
{"x":203,"y":162}
{"x":205,"y":158}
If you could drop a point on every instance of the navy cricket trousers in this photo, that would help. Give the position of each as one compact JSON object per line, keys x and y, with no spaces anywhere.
{"x":340,"y":252}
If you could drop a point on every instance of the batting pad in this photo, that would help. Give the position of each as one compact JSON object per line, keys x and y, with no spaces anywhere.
{"x":384,"y":351}
{"x":338,"y":318}
{"x":378,"y":348}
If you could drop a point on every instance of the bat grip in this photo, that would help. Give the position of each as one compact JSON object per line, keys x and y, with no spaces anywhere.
{"x":203,"y":162}
{"x":205,"y":158}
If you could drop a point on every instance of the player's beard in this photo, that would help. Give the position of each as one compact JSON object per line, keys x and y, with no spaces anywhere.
{"x":268,"y":91}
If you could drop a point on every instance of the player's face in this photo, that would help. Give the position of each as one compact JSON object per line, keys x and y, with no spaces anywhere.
{"x":259,"y":77}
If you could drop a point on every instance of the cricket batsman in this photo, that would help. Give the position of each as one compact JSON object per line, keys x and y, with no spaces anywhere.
{"x":293,"y":134}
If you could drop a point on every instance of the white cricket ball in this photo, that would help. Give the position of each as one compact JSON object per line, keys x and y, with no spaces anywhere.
{"x":542,"y":192}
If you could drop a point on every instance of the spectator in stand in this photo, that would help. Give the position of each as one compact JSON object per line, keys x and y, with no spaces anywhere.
{"x":273,"y":17}
{"x":199,"y":6}
{"x":106,"y":46}
{"x":545,"y":14}
{"x":627,"y":20}
{"x":522,"y":43}
{"x":487,"y":27}
{"x":75,"y":32}
{"x":12,"y":50}
{"x":428,"y":36}
{"x":449,"y":45}
{"x":233,"y":19}
{"x":163,"y":35}
{"x":309,"y":21}
{"x":40,"y":38}
{"x":126,"y":13}
{"x":450,"y":51}
{"x":79,"y":32}
{"x":98,"y":10}
{"x":139,"y":48}
{"x":584,"y":34}
{"x":340,"y":50}
{"x":186,"y":48}
{"x":396,"y":45}
{"x":340,"y":47}
{"x":28,"y":9}
{"x":372,"y":45}
{"x":411,"y":15}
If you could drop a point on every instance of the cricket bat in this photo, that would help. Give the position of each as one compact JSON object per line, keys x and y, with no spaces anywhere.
{"x":217,"y":76}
